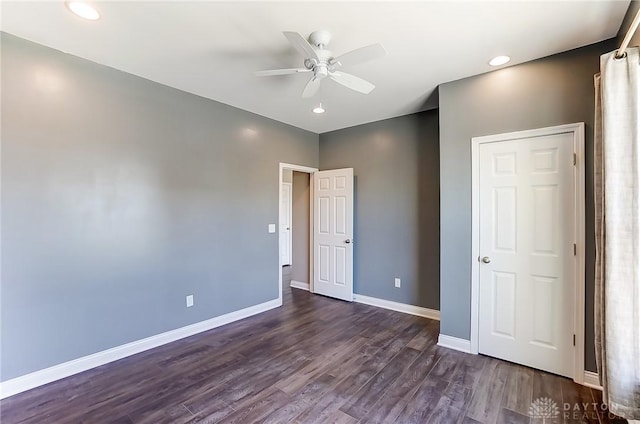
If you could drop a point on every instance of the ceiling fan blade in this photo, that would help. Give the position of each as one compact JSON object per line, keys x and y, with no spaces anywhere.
{"x":312,"y":87}
{"x":280,"y":72}
{"x":361,"y":55}
{"x":352,"y":82}
{"x":301,"y":44}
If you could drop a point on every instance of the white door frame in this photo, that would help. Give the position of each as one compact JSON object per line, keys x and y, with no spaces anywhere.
{"x":577,"y":129}
{"x":310,"y":171}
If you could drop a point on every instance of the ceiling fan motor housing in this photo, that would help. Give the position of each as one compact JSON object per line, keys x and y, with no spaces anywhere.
{"x":321,"y":70}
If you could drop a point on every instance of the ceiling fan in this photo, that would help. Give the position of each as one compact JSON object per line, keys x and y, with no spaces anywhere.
{"x":322,"y":64}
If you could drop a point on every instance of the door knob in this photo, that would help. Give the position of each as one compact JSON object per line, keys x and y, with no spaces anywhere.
{"x":486,"y":260}
{"x":347,"y":241}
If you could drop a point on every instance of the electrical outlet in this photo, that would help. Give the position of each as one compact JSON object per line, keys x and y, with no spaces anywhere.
{"x":189,"y":301}
{"x":272,"y":228}
{"x":397,"y":282}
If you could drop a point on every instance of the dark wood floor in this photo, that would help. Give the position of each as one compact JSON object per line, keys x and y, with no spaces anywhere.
{"x":315,"y":360}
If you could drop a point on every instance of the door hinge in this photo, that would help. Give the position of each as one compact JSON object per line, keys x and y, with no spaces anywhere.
{"x":574,"y":339}
{"x":575,"y":159}
{"x":575,"y":249}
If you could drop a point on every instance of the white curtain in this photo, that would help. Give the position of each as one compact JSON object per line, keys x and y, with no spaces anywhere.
{"x":617,"y":203}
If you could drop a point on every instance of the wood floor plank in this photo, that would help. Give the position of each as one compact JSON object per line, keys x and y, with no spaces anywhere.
{"x":354,"y":375}
{"x":507,"y":416}
{"x":400,"y":392}
{"x":363,"y":400}
{"x":468,"y":371}
{"x":340,"y":417}
{"x":578,"y":405}
{"x":547,"y":386}
{"x":157,"y":412}
{"x":326,"y":405}
{"x":259,"y":408}
{"x":119,"y":420}
{"x":321,"y":364}
{"x":518,"y":389}
{"x":447,"y":364}
{"x":203,"y":400}
{"x":452,"y":405}
{"x":425,"y":338}
{"x":167,"y":386}
{"x":304,"y":400}
{"x":423,"y":402}
{"x":489,"y":392}
{"x":241,"y":391}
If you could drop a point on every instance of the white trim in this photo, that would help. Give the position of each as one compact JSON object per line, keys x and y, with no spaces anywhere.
{"x":454,"y":343}
{"x":475,"y":243}
{"x":579,"y":201}
{"x":66,"y":369}
{"x":591,"y":379}
{"x":299,"y":285}
{"x":580,"y":258}
{"x":310,"y":171}
{"x":311,"y":233}
{"x":398,"y":307}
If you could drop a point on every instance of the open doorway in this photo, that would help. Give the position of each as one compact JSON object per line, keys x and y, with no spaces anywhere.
{"x":295,"y":242}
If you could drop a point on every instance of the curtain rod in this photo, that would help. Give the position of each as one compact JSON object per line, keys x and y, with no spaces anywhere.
{"x":627,"y":38}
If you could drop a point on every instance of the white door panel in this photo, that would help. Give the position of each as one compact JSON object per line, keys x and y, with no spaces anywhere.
{"x":333,"y":233}
{"x":526,"y":288}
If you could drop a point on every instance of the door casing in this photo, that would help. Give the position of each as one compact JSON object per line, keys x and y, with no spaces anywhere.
{"x":577,"y":129}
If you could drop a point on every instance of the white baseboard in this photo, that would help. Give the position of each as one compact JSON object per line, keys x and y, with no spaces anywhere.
{"x":299,"y":285}
{"x":592,"y":380}
{"x":454,"y":343}
{"x":66,"y":369}
{"x":399,"y":307}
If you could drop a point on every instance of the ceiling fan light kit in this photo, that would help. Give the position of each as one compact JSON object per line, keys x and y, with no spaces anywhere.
{"x":323,"y":64}
{"x":318,"y":109}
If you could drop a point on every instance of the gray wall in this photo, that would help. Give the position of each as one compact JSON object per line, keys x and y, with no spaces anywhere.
{"x":300,"y":227}
{"x":396,"y":171}
{"x":550,"y":91}
{"x":119,"y":197}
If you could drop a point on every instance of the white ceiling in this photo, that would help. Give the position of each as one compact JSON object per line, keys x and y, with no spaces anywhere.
{"x":212,"y":48}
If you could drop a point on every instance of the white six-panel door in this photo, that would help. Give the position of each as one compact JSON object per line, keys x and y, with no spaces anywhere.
{"x":526,"y":245}
{"x":333,"y":233}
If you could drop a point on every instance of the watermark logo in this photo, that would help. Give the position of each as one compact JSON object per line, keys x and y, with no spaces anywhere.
{"x":548,"y":411}
{"x":544,"y":408}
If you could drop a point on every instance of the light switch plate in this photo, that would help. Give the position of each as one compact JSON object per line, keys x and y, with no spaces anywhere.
{"x":397,"y":282}
{"x":272,"y":228}
{"x":189,"y":301}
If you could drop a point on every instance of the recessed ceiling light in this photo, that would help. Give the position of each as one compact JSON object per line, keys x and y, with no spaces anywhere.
{"x":499,"y":60}
{"x":84,"y":10}
{"x":318,"y":109}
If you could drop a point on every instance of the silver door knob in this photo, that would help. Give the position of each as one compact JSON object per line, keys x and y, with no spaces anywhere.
{"x":486,"y":260}
{"x":347,"y":241}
